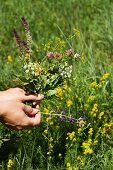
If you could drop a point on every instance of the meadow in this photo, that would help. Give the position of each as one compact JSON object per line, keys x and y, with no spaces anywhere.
{"x":72,"y":45}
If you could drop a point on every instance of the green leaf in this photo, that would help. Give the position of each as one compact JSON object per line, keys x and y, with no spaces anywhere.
{"x":51,"y":92}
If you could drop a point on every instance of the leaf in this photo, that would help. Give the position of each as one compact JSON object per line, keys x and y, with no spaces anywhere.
{"x":51,"y":92}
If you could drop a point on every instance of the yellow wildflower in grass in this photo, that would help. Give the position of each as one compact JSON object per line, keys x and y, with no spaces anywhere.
{"x":69,"y":102}
{"x":100,"y":115}
{"x":60,"y":43}
{"x":81,"y":159}
{"x":94,"y":110}
{"x":10,"y":163}
{"x":106,"y":129}
{"x":71,"y":136}
{"x":86,"y":106}
{"x":93,"y":85}
{"x":104,"y":77}
{"x":49,"y":120}
{"x":87,"y":147}
{"x":90,"y":132}
{"x":46,"y":131}
{"x":68,"y":165}
{"x":47,"y":46}
{"x":103,"y":80}
{"x":65,"y":85}
{"x":80,"y":130}
{"x":91,"y":98}
{"x":46,"y":110}
{"x":95,"y":142}
{"x":59,"y":92}
{"x":9,"y":59}
{"x":81,"y":123}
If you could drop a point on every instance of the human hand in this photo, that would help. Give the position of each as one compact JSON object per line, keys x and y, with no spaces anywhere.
{"x":17,"y":115}
{"x":18,"y":94}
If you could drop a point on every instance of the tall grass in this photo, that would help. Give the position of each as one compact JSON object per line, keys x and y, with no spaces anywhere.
{"x":87,"y":27}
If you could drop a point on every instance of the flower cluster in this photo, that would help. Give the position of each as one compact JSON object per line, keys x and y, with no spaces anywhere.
{"x":46,"y":74}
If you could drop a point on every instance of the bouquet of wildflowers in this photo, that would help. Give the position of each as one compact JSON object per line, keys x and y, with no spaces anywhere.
{"x":43,"y":76}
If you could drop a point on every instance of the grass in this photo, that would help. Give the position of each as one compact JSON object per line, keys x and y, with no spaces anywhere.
{"x":87,"y":27}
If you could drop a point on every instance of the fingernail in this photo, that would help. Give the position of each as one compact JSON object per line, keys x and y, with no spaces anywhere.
{"x":35,"y":110}
{"x":40,"y":95}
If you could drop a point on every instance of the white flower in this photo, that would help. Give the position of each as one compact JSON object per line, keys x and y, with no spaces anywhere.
{"x":77,"y":55}
{"x":25,"y":66}
{"x":26,"y":71}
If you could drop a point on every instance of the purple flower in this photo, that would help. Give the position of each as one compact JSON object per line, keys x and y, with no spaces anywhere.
{"x":72,"y":120}
{"x":83,"y":118}
{"x":49,"y":115}
{"x":18,"y":40}
{"x":50,"y":55}
{"x":25,"y":24}
{"x":61,"y":118}
{"x":63,"y":111}
{"x":69,"y":51}
{"x":26,"y":47}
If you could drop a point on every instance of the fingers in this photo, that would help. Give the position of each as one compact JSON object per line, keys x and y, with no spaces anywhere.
{"x":34,"y":121}
{"x":31,"y":112}
{"x":17,"y":89}
{"x":27,"y":109}
{"x":33,"y":97}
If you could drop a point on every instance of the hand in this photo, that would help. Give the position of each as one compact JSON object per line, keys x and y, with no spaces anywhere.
{"x":17,"y":115}
{"x":18,"y":94}
{"x":14,"y":113}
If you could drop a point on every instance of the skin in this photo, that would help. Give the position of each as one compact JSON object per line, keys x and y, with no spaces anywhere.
{"x":14,"y":113}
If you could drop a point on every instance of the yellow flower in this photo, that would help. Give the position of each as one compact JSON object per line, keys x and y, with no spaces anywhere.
{"x":59,"y":92}
{"x":9,"y":59}
{"x":106,"y":128}
{"x":79,"y":130}
{"x":65,"y":86}
{"x":68,"y":164}
{"x":90,"y":132}
{"x":100,"y":115}
{"x":10,"y":163}
{"x":71,"y":136}
{"x":95,"y":142}
{"x":104,"y":77}
{"x":46,"y":131}
{"x":91,"y":98}
{"x":48,"y":119}
{"x":69,"y":102}
{"x":93,"y":84}
{"x":94,"y":110}
{"x":46,"y":110}
{"x":81,"y":123}
{"x":87,"y":147}
{"x":88,"y":151}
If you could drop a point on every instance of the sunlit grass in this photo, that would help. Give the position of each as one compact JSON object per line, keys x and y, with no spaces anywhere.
{"x":83,"y":142}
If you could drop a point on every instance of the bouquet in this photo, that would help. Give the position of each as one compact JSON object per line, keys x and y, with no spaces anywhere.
{"x":45,"y":75}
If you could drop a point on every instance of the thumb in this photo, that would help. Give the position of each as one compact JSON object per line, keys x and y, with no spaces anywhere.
{"x":30,"y":111}
{"x":34,"y":121}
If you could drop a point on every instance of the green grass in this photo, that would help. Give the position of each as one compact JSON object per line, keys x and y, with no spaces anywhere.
{"x":48,"y":20}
